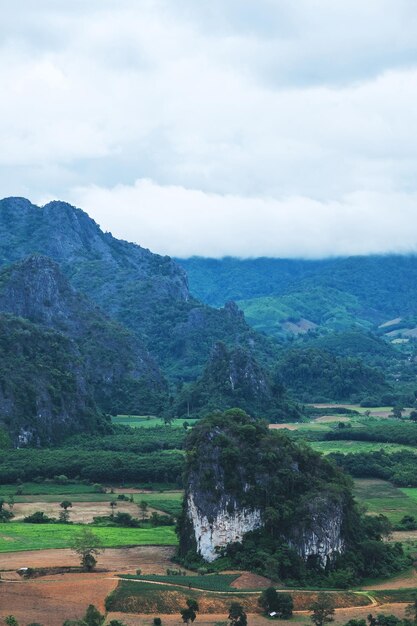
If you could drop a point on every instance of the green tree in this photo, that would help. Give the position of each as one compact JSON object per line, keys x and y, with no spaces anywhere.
{"x":64,"y":514}
{"x":93,"y":617}
{"x":411,"y":610}
{"x":322,"y":610}
{"x":269,"y":600}
{"x":11,"y":621}
{"x":237,"y":615}
{"x":280,"y":603}
{"x":143,"y":508}
{"x":190,"y":613}
{"x":87,"y":545}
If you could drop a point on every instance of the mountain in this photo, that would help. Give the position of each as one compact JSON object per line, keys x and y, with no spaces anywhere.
{"x":145,"y":292}
{"x":234,"y":378}
{"x":284,"y":296}
{"x":44,"y":393}
{"x":118,"y":368}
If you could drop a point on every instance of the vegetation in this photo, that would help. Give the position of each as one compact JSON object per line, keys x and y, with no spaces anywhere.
{"x":87,"y":545}
{"x":17,"y":536}
{"x":242,"y":452}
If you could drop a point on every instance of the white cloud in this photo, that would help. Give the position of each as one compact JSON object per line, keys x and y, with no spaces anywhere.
{"x":250,"y":102}
{"x":183,"y":222}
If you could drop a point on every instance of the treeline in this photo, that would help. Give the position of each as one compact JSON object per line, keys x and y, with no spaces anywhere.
{"x":399,"y":468}
{"x":93,"y":465}
{"x":388,"y":432}
{"x":127,"y":439}
{"x":315,"y":375}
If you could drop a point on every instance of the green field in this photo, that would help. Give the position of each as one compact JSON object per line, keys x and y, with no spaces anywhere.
{"x":168,"y":502}
{"x":346,"y":447}
{"x":47,"y":488}
{"x":211,"y":582}
{"x":16,"y":536}
{"x":380,"y":496}
{"x":148,"y":421}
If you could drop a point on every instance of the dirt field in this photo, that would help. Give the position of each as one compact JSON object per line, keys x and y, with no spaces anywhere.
{"x":280,"y":426}
{"x":52,"y":601}
{"x":408,"y":580}
{"x":250,"y":581}
{"x":151,"y":559}
{"x":341,"y":617}
{"x":80,"y":512}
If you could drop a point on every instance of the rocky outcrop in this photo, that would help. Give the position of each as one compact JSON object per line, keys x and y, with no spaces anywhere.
{"x":145,"y":292}
{"x":234,"y":378}
{"x":242,"y":478}
{"x":228,"y":524}
{"x":119,"y":369}
{"x":44,"y":391}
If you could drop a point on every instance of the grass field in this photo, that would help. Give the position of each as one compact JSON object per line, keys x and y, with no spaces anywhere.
{"x":169,"y":502}
{"x":380,"y":496}
{"x":148,"y":421}
{"x":47,"y":488}
{"x":346,"y":447}
{"x":211,"y":582}
{"x":15,"y":536}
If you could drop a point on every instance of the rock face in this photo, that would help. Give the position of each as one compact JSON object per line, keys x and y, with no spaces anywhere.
{"x":228,"y":525}
{"x":241,"y":478}
{"x":115,"y":367}
{"x":145,"y":292}
{"x":44,"y":391}
{"x":234,"y":378}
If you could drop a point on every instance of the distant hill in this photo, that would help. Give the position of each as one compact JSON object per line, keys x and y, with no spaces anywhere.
{"x":281,"y":296}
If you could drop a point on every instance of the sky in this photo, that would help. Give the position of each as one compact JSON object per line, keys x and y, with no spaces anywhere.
{"x":283,"y":128}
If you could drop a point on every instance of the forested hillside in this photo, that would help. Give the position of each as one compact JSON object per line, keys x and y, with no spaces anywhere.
{"x":333,"y":293}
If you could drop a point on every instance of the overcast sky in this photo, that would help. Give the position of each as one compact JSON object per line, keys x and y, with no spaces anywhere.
{"x":217,"y":127}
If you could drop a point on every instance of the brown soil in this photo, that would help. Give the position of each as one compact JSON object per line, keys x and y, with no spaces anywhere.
{"x":52,"y":601}
{"x":280,"y":426}
{"x":80,"y":511}
{"x":403,"y":535}
{"x":341,"y":617}
{"x":150,"y":559}
{"x":251,"y":581}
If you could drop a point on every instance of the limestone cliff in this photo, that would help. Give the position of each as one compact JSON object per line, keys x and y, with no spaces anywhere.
{"x":242,"y":478}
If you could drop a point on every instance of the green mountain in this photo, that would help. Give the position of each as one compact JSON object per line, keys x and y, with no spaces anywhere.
{"x":145,"y":292}
{"x":119,"y":369}
{"x":234,"y":378}
{"x":282,"y":296}
{"x":44,"y":393}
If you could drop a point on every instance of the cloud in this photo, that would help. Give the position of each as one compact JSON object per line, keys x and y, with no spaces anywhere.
{"x":254,"y":102}
{"x":184,"y":222}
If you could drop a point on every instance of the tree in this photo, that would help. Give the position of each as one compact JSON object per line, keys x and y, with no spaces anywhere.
{"x":64,"y":515}
{"x":237,"y":615}
{"x":322,"y":610}
{"x":11,"y":621}
{"x":411,"y":610}
{"x":143,"y":507}
{"x":280,"y":603}
{"x":93,"y":617}
{"x":268,"y":600}
{"x":87,"y":545}
{"x":190,"y":613}
{"x":113,"y":505}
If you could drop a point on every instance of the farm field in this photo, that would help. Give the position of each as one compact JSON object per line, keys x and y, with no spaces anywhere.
{"x":168,"y":502}
{"x":148,"y":421}
{"x":346,"y":447}
{"x":380,"y":496}
{"x":17,"y":536}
